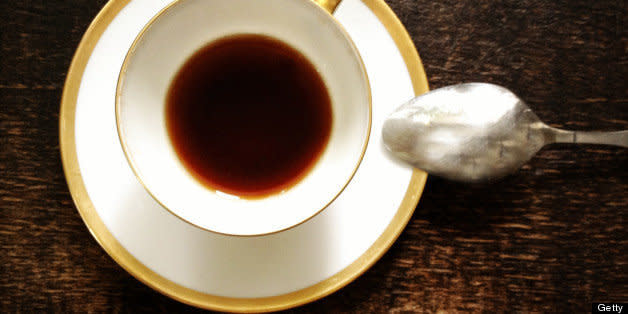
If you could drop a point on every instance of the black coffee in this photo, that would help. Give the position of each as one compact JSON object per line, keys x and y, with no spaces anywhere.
{"x":248,"y":115}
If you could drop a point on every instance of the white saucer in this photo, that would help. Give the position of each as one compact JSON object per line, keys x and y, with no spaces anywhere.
{"x":220,"y":272}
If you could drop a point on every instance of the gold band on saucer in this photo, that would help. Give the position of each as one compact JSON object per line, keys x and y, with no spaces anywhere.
{"x":328,"y":5}
{"x":144,"y":274}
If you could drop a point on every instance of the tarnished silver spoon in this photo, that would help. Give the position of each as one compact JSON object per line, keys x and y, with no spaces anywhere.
{"x":475,"y":132}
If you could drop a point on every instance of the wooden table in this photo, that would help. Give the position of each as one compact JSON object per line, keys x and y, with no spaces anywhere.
{"x":551,"y":237}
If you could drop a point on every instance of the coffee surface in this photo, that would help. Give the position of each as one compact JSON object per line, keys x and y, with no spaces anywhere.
{"x":248,"y":115}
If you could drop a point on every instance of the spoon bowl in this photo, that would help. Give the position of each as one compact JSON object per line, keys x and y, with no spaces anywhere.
{"x":475,"y":132}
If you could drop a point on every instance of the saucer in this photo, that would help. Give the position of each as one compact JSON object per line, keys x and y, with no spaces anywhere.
{"x":218,"y":272}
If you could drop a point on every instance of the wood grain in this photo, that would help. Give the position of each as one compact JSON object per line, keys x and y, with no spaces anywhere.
{"x":550,"y":238}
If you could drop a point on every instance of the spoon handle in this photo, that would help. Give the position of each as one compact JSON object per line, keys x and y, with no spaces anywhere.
{"x":617,"y":138}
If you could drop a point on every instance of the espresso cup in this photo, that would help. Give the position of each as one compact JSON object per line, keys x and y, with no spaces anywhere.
{"x":157,"y":55}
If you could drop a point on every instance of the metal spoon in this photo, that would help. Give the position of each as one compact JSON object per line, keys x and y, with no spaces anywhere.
{"x":475,"y":132}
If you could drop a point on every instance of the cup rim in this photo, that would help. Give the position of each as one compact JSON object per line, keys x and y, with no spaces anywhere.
{"x":122,"y":74}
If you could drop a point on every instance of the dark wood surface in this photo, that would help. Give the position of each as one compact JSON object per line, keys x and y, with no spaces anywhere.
{"x":551,"y":237}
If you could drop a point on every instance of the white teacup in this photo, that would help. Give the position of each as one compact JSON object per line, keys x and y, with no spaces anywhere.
{"x":157,"y":54}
